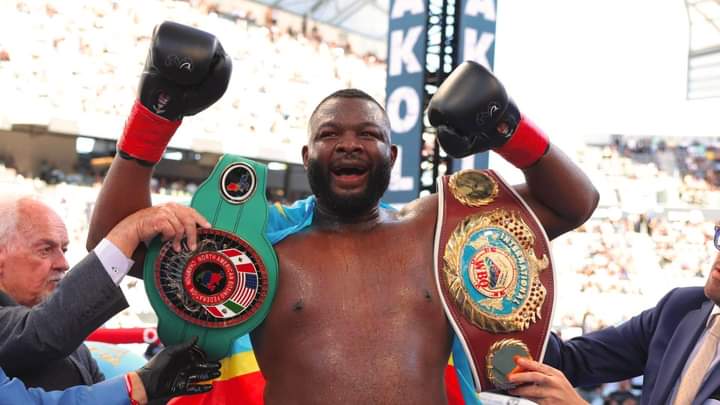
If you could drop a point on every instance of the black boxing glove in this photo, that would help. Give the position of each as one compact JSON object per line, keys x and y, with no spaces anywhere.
{"x":178,"y":370}
{"x":186,"y":71}
{"x":473,"y":113}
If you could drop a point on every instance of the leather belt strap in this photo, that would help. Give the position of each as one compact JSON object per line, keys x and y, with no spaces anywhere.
{"x":494,"y":273}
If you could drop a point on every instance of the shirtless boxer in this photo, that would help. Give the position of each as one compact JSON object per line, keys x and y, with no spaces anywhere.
{"x":356,"y":318}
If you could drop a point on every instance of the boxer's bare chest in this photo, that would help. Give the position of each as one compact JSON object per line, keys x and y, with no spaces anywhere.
{"x":357,"y":313}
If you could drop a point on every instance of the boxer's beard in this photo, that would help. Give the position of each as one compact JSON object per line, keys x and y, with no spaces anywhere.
{"x":350,"y":205}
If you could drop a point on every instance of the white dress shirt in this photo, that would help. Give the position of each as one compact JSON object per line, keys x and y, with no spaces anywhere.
{"x":113,"y":260}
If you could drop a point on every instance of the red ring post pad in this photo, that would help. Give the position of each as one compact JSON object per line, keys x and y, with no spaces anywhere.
{"x":527,"y":145}
{"x":146,"y":135}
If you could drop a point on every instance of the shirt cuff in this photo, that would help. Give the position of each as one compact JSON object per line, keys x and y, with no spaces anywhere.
{"x":113,"y":260}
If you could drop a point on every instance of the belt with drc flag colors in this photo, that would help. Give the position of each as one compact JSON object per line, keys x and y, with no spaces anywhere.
{"x":224,"y":288}
{"x":494,"y":273}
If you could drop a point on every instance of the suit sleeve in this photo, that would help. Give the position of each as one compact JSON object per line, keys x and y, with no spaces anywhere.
{"x":607,"y":355}
{"x":85,"y":299}
{"x":111,"y":392}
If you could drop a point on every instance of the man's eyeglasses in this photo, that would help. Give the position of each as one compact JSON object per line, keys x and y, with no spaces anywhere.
{"x":716,"y":240}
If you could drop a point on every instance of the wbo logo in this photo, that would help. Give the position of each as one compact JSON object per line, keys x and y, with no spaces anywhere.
{"x":491,"y":272}
{"x":495,"y":272}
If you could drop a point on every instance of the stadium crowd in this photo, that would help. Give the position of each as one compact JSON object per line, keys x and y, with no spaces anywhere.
{"x":107,"y":41}
{"x":646,"y":236}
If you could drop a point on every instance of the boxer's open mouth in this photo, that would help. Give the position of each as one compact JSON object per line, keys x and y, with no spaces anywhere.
{"x":349,"y":173}
{"x":349,"y":168}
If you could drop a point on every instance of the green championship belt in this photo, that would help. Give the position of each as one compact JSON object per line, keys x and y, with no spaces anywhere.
{"x":224,"y":288}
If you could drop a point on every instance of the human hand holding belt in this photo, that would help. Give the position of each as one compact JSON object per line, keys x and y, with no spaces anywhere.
{"x":543,"y":384}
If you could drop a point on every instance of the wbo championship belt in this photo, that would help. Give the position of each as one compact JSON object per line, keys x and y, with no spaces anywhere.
{"x":494,"y":274}
{"x":224,"y":288}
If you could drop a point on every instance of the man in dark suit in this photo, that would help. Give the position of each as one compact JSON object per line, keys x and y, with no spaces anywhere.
{"x":44,"y":321}
{"x":673,"y":345}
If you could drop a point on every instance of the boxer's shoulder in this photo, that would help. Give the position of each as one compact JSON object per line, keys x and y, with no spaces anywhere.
{"x":421,"y":209}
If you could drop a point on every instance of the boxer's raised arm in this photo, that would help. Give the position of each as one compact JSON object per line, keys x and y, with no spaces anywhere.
{"x":186,"y":71}
{"x":126,"y":189}
{"x":473,"y":113}
{"x":559,"y":193}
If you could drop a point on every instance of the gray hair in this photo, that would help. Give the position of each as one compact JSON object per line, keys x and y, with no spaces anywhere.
{"x":10,"y":219}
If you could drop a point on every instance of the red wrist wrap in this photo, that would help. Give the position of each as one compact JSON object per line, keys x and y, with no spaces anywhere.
{"x":128,"y":384}
{"x":146,"y":135}
{"x":527,"y":145}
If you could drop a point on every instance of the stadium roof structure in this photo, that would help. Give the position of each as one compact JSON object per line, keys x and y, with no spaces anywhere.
{"x":368,"y":18}
{"x":704,"y":54}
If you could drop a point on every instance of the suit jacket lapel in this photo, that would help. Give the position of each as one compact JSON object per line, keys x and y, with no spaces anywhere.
{"x":677,"y":352}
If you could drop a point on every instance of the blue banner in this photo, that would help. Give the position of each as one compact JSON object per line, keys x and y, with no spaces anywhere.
{"x":477,"y":43}
{"x":405,"y":104}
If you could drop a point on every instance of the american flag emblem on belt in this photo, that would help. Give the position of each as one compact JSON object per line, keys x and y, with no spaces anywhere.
{"x":245,"y":291}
